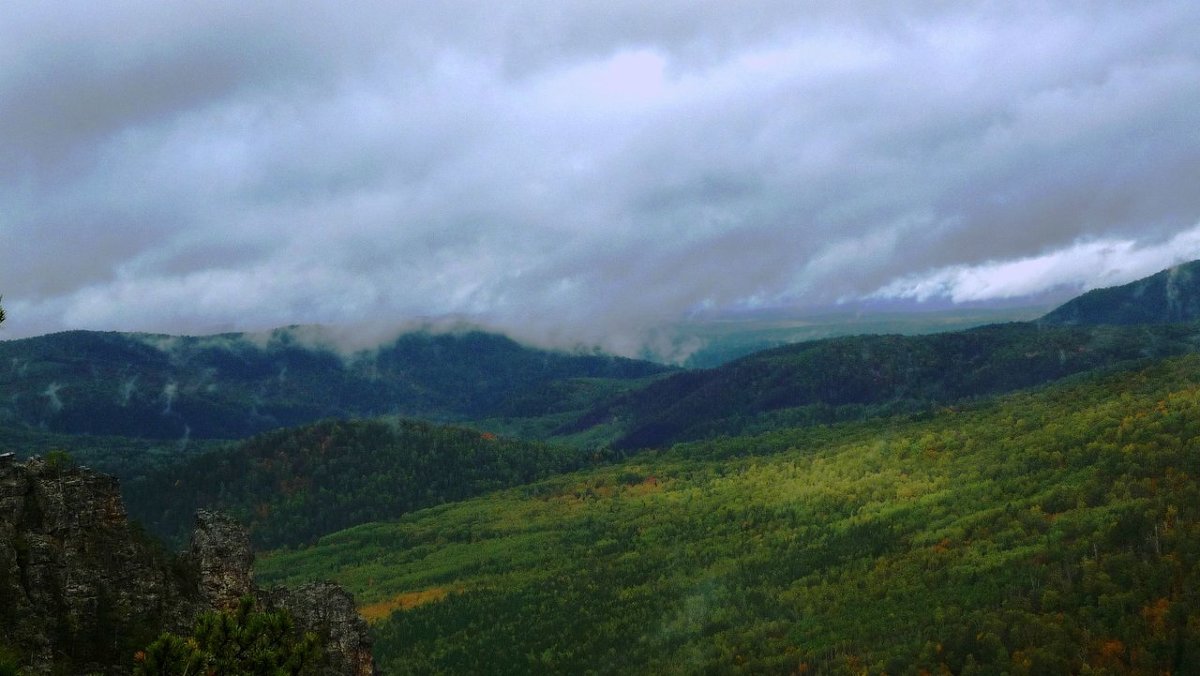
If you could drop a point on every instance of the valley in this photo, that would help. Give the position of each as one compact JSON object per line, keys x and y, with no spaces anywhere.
{"x":1011,"y":498}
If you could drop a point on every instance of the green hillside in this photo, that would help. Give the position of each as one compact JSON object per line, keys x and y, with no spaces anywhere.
{"x":290,"y":486}
{"x":1048,"y":532}
{"x":1172,"y":295}
{"x":857,"y":377}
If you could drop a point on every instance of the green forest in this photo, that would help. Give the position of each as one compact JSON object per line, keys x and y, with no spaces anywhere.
{"x":292,"y":485}
{"x":1054,"y":531}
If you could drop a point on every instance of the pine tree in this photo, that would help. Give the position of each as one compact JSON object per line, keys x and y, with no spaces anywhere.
{"x":243,"y":641}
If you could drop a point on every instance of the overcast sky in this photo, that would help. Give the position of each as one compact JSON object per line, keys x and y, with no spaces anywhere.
{"x":582,"y":171}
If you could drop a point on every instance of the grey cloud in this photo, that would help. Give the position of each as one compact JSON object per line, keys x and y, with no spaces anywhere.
{"x":579,"y":173}
{"x":82,"y":72}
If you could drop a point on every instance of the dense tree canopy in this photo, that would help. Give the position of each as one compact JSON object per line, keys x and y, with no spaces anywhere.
{"x":291,"y":486}
{"x":1048,"y":532}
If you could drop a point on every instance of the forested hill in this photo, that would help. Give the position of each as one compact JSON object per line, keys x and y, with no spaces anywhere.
{"x":235,"y":385}
{"x":1172,"y":295}
{"x":1047,"y":532}
{"x":290,"y":486}
{"x":851,"y":378}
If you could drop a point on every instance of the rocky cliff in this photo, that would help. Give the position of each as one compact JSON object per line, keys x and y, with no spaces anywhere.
{"x":220,"y":550}
{"x":327,"y":610}
{"x":81,"y":589}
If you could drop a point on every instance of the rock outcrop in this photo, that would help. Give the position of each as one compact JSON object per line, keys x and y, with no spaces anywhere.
{"x":77,"y":584}
{"x":81,"y":589}
{"x":327,"y":610}
{"x":220,"y":550}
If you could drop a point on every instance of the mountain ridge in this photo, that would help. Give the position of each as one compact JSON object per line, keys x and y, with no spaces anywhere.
{"x":1167,"y":297}
{"x":236,"y":385}
{"x":848,"y":378}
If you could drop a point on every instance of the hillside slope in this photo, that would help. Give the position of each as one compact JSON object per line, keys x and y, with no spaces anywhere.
{"x":1048,"y":532}
{"x":290,"y":486}
{"x":232,"y":386}
{"x":851,"y":378}
{"x":1170,"y":296}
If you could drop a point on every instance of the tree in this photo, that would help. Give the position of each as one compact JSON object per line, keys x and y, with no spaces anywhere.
{"x":10,"y":662}
{"x":243,"y":641}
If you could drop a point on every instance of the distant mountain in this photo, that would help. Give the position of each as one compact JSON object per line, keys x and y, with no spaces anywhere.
{"x":717,"y":341}
{"x":236,"y":385}
{"x":868,"y":376}
{"x":844,"y":378}
{"x":1170,"y":296}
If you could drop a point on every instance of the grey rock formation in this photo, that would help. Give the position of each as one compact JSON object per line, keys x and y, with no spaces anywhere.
{"x":220,"y":550}
{"x":81,"y":590}
{"x":328,"y":611}
{"x":76,"y":582}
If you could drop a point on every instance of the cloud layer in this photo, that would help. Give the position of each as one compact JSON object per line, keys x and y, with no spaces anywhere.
{"x":579,"y":173}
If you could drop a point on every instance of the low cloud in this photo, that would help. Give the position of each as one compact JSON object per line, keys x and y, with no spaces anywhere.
{"x":52,"y":398}
{"x":169,"y":392}
{"x":1078,"y":268}
{"x":126,"y":390}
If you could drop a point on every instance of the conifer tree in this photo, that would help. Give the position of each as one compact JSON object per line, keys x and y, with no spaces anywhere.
{"x":243,"y":641}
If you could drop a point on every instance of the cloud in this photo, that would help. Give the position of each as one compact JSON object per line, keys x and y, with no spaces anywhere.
{"x":576,"y":174}
{"x":1081,"y":267}
{"x":51,"y":395}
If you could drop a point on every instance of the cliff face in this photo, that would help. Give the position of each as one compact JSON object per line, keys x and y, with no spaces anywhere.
{"x":77,"y":585}
{"x":328,"y":611}
{"x":220,"y":549}
{"x":81,"y":590}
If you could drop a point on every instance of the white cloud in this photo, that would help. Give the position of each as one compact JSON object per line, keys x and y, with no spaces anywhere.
{"x":1080,"y":267}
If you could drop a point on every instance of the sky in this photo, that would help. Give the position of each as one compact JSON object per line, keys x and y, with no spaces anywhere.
{"x":580,"y":173}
